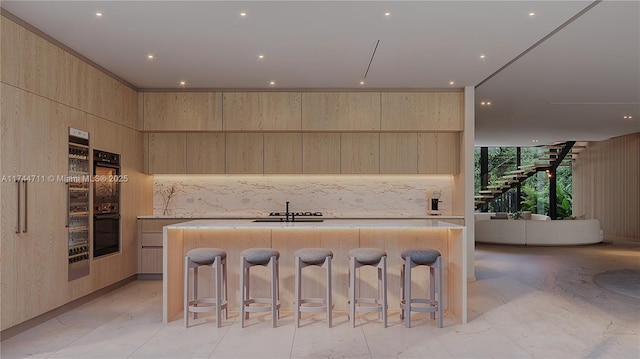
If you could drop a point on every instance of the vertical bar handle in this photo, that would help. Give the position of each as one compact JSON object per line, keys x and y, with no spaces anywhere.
{"x":26,"y":206}
{"x":19,"y":208}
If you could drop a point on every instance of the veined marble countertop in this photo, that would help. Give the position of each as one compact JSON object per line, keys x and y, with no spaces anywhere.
{"x":323,"y":217}
{"x":327,"y":224}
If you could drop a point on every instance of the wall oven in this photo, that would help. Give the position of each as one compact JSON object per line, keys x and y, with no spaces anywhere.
{"x":106,"y":203}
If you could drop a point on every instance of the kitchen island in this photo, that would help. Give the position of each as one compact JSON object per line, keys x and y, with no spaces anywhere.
{"x":391,"y":235}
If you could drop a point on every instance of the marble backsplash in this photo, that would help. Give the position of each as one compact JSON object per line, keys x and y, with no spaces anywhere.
{"x":335,"y":196}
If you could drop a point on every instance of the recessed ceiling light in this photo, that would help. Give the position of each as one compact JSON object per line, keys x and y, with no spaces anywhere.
{"x":488,"y":103}
{"x":627,"y":117}
{"x":98,"y":14}
{"x":361,"y":82}
{"x":532,"y":14}
{"x":182,"y":83}
{"x":150,"y":57}
{"x":482,"y":56}
{"x":387,"y":14}
{"x":272,"y":83}
{"x":261,"y":57}
{"x":482,"y":103}
{"x":451,"y":83}
{"x":243,"y":14}
{"x":534,"y":141}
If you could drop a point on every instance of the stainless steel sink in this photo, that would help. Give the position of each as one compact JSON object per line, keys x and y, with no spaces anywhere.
{"x":277,"y":220}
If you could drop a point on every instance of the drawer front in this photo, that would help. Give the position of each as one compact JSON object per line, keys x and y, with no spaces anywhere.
{"x":155,"y":225}
{"x":151,"y":260}
{"x":151,"y":239}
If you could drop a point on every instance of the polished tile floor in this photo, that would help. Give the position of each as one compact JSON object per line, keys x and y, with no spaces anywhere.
{"x":532,"y":302}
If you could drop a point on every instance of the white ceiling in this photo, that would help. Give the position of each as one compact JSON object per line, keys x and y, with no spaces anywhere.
{"x":575,"y":85}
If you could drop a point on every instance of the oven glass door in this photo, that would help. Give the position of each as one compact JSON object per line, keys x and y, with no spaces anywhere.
{"x":106,"y":234}
{"x":106,"y":187}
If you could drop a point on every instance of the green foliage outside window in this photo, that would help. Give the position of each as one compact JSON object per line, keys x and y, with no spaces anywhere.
{"x":535,"y":190}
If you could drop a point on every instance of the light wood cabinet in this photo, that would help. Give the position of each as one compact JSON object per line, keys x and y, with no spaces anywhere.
{"x":261,"y":111}
{"x":282,"y":153}
{"x":320,"y":153}
{"x":34,"y":248}
{"x":422,"y":111}
{"x":438,"y":153}
{"x":244,"y":153}
{"x":150,"y":244}
{"x":167,"y":153}
{"x":45,"y":90}
{"x":205,"y":152}
{"x":305,"y":132}
{"x":398,"y":153}
{"x":359,"y":153}
{"x":182,"y":111}
{"x":11,"y":55}
{"x":340,"y":111}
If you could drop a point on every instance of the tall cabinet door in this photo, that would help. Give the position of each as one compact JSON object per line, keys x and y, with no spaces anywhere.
{"x":10,"y":166}
{"x":35,"y":259}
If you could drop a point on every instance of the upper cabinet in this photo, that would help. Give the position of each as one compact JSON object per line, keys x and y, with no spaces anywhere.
{"x":205,"y":152}
{"x":439,"y":153}
{"x":359,"y":153}
{"x":320,"y":153}
{"x":398,"y":153}
{"x":282,"y":153}
{"x":330,"y":132}
{"x":167,"y":152}
{"x":340,"y":111}
{"x":422,"y":111}
{"x":261,"y":111}
{"x":244,"y":153}
{"x":182,"y":111}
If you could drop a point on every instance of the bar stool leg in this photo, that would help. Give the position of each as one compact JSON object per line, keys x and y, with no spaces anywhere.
{"x":274,"y":291}
{"x":379,"y":300}
{"x":298,"y":290}
{"x":329,"y":304}
{"x":218,"y":291}
{"x":352,"y":291}
{"x":277,"y":280}
{"x":439,"y":289}
{"x":407,"y":289}
{"x":195,"y":288}
{"x":402,"y":295}
{"x":226,"y":297}
{"x":243,"y":291}
{"x":186,"y":292}
{"x":384,"y":291}
{"x":432,"y":288}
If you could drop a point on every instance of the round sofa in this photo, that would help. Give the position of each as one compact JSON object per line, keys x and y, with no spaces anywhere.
{"x":538,"y":231}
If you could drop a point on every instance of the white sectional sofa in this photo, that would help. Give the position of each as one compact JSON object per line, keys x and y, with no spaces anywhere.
{"x":536,"y":232}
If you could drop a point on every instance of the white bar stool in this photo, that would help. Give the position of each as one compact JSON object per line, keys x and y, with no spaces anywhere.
{"x":262,"y":257}
{"x":215,"y":258}
{"x":421,"y":257}
{"x":312,"y":257}
{"x":360,"y":257}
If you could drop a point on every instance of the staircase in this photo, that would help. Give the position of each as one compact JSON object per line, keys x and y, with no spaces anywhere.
{"x":562,"y":154}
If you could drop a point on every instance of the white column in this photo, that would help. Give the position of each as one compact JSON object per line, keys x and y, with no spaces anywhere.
{"x":467,"y":168}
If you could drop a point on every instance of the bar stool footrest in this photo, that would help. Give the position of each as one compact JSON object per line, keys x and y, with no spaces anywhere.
{"x":248,"y":308}
{"x":205,"y":305}
{"x":313,"y":308}
{"x":432,"y":305}
{"x":367,"y":309}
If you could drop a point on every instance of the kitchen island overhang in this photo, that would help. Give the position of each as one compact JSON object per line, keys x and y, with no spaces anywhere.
{"x":391,"y":235}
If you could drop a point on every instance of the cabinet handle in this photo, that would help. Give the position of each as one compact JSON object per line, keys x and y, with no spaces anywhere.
{"x":19,"y":208}
{"x":26,"y":206}
{"x":68,"y":205}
